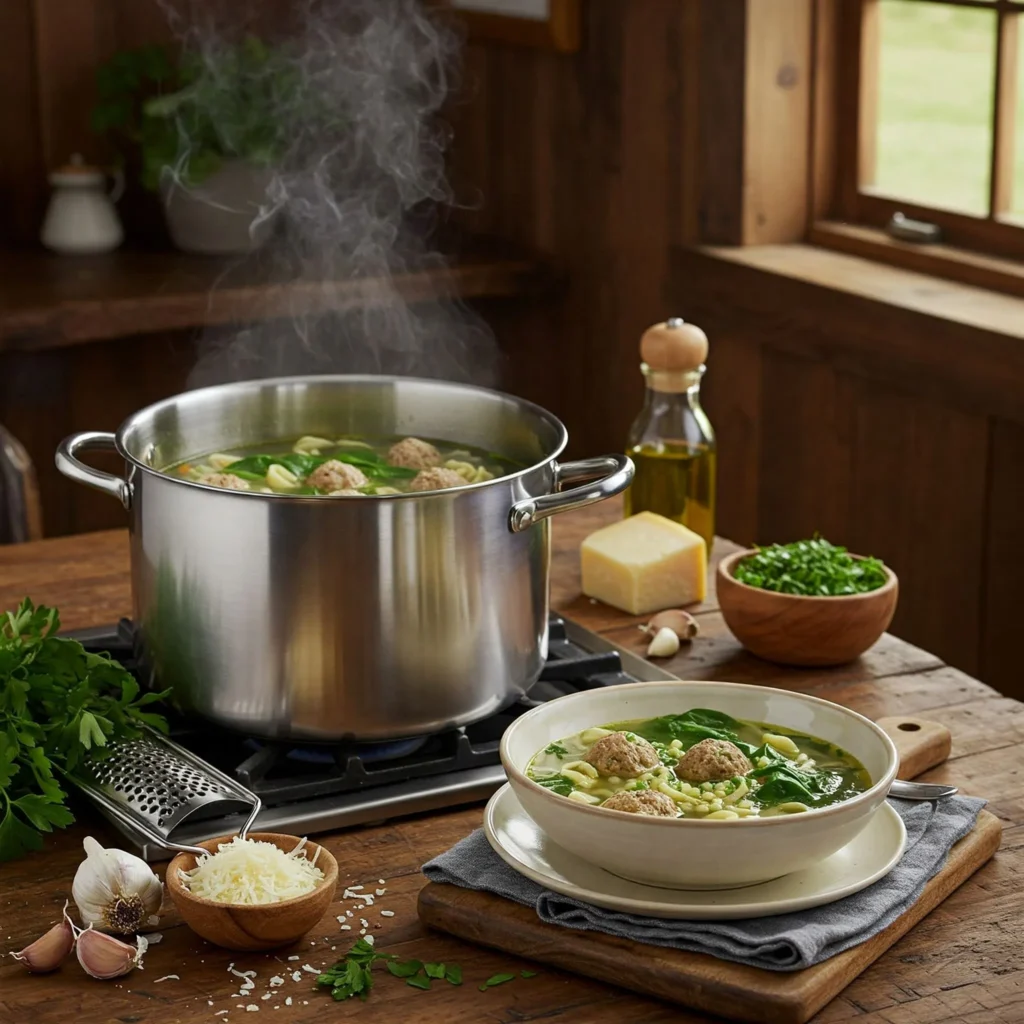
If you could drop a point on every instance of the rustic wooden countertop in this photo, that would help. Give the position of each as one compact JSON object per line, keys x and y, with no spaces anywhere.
{"x":965,"y":962}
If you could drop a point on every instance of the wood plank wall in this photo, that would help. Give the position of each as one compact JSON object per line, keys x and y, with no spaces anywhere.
{"x":881,"y":430}
{"x":588,"y":156}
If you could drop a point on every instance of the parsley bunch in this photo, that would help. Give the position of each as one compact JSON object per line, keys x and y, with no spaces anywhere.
{"x":810,"y":568}
{"x":59,"y":705}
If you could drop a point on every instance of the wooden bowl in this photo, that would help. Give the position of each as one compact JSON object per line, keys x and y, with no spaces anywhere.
{"x":793,"y":630}
{"x":256,"y":926}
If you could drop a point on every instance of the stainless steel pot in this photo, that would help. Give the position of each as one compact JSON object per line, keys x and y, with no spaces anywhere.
{"x":322,"y":618}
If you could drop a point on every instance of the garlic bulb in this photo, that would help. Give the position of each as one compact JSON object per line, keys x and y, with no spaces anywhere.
{"x":49,"y":951}
{"x":102,"y":956}
{"x":115,"y":891}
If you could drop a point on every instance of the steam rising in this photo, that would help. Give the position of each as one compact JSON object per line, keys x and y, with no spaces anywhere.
{"x":354,"y":195}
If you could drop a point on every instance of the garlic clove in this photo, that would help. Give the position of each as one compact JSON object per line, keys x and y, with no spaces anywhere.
{"x":102,"y":956}
{"x":683,"y":624}
{"x":664,"y":644}
{"x":49,"y":951}
{"x":115,"y":891}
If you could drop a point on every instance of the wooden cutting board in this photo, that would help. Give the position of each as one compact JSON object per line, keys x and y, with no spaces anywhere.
{"x":694,"y":979}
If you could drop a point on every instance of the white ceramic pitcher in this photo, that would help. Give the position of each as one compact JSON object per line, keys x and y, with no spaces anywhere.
{"x":81,"y":217}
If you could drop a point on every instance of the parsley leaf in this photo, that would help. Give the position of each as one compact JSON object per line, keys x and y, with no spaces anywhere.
{"x":496,"y":979}
{"x":59,"y":708}
{"x":404,"y":968}
{"x":557,"y":749}
{"x":352,"y":974}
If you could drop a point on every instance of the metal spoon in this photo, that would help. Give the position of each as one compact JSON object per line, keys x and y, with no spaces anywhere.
{"x":920,"y":790}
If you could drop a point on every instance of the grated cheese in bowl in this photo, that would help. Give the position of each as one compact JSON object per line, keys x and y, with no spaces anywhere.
{"x":249,"y":871}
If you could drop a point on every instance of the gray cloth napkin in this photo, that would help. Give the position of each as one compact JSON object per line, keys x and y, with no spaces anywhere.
{"x":788,"y":942}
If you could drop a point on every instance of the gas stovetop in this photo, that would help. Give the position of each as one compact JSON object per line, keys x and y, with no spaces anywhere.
{"x":307,"y":789}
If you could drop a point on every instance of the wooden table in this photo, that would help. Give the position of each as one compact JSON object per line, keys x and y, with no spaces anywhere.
{"x":964,"y":963}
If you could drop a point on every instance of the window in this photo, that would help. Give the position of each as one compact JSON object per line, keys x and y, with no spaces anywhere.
{"x":930,"y":117}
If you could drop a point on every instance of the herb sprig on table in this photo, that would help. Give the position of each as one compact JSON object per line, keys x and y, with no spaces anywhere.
{"x":810,"y":568}
{"x":352,"y":975}
{"x":59,"y":705}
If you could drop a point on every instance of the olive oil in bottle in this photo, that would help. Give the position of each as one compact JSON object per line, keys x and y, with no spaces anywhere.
{"x":671,"y":442}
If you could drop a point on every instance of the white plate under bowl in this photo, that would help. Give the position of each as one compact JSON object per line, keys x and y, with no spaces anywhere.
{"x":519,"y":842}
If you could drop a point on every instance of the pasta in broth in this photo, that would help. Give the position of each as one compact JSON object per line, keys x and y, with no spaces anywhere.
{"x":701,"y":764}
{"x":344,"y":467}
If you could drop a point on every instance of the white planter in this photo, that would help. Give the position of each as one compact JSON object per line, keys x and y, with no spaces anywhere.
{"x":221,"y":215}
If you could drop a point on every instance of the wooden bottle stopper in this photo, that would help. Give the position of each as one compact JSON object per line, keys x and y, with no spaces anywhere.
{"x":674,"y":346}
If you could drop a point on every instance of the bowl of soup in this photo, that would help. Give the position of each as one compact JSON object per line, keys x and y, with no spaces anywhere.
{"x":342,"y":557}
{"x":698,"y":785}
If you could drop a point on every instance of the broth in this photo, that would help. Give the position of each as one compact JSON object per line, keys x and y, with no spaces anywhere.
{"x":345,"y":467}
{"x":701,"y":764}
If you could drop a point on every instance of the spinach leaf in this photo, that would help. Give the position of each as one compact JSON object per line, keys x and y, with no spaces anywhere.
{"x":700,"y":724}
{"x":556,"y":783}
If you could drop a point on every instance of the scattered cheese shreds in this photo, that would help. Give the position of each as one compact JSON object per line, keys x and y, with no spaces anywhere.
{"x":387,"y":913}
{"x":276,"y":981}
{"x":296,"y":975}
{"x":309,"y":969}
{"x":295,"y":958}
{"x":380,"y":881}
{"x":346,"y":927}
{"x":288,"y":1001}
{"x":154,"y":937}
{"x":380,"y":892}
{"x":369,"y":940}
{"x":252,"y":1008}
{"x":168,"y":977}
{"x":249,"y":871}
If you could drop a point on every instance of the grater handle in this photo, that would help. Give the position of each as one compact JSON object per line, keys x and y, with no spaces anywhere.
{"x":142,"y":827}
{"x":256,"y":808}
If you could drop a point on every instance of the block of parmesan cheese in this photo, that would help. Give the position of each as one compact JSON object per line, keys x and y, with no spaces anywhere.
{"x":644,"y":563}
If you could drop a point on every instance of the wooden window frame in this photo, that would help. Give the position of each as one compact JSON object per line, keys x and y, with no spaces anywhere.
{"x":842,"y":145}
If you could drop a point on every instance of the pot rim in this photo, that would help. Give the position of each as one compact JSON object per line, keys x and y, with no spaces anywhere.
{"x":339,"y":378}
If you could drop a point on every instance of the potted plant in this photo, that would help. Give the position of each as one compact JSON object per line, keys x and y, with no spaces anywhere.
{"x":210,"y":130}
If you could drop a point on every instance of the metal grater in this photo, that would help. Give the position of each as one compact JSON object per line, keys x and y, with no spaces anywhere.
{"x":151,"y":786}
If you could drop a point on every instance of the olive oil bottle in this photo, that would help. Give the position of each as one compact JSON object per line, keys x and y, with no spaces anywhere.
{"x":671,"y":442}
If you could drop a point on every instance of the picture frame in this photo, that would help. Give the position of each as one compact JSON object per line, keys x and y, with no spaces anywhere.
{"x":548,"y":24}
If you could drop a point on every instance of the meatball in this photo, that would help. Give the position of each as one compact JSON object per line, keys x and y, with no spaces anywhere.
{"x":412,"y":453}
{"x":642,"y":801}
{"x":711,"y":760}
{"x":623,"y":754}
{"x":436,"y":479}
{"x":336,"y":476}
{"x":228,"y":480}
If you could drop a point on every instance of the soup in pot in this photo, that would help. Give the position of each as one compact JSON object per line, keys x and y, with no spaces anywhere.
{"x":701,"y":764}
{"x":345,"y":466}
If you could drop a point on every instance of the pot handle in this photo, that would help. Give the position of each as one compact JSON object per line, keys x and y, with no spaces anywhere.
{"x":608,"y":475}
{"x":74,"y":469}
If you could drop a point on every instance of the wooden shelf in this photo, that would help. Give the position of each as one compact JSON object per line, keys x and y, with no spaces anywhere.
{"x":49,"y":301}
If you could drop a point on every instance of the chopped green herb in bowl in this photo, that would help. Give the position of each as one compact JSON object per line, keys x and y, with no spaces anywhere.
{"x":807,"y":603}
{"x":810,"y":568}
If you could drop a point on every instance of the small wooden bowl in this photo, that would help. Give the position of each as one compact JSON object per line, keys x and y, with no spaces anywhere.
{"x":793,"y":630}
{"x":257,"y":926}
